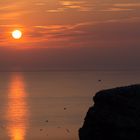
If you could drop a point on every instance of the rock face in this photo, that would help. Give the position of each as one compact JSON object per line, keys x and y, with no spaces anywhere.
{"x":114,"y":116}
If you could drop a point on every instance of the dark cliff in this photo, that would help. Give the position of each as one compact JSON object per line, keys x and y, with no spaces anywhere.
{"x":114,"y":116}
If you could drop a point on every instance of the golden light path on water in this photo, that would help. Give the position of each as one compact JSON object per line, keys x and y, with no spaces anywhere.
{"x":17,"y":110}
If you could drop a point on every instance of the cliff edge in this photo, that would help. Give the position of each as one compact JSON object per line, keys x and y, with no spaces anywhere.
{"x":115,"y":115}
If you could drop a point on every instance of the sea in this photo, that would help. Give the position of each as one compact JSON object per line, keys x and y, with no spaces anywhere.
{"x":52,"y":105}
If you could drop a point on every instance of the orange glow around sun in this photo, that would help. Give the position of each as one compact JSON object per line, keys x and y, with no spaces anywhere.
{"x":16,"y":34}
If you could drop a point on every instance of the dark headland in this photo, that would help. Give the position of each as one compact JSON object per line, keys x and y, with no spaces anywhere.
{"x":115,"y":115}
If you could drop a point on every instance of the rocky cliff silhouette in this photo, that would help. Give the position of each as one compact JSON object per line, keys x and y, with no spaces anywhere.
{"x":114,"y":116}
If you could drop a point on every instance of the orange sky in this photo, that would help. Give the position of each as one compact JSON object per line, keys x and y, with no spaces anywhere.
{"x":70,"y":23}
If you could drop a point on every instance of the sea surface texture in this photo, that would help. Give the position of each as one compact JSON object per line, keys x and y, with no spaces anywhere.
{"x":52,"y":105}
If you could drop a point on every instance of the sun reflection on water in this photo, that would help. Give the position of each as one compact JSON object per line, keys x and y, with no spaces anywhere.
{"x":17,"y":110}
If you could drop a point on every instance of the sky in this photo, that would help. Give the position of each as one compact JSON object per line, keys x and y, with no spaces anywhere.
{"x":70,"y":34}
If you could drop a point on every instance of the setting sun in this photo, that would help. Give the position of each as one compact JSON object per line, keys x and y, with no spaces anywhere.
{"x":16,"y":34}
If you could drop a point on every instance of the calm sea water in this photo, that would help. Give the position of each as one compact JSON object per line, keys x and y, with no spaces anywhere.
{"x":51,"y":105}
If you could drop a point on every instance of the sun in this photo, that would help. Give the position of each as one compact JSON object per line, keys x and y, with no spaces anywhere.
{"x":16,"y":34}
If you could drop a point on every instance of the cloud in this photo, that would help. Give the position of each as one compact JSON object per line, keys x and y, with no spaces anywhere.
{"x":58,"y":10}
{"x":70,"y":34}
{"x":11,"y":10}
{"x":64,"y":5}
{"x":40,"y":3}
{"x":127,"y":4}
{"x":118,"y":9}
{"x":112,"y":32}
{"x":79,"y":5}
{"x":98,"y":34}
{"x":79,"y":30}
